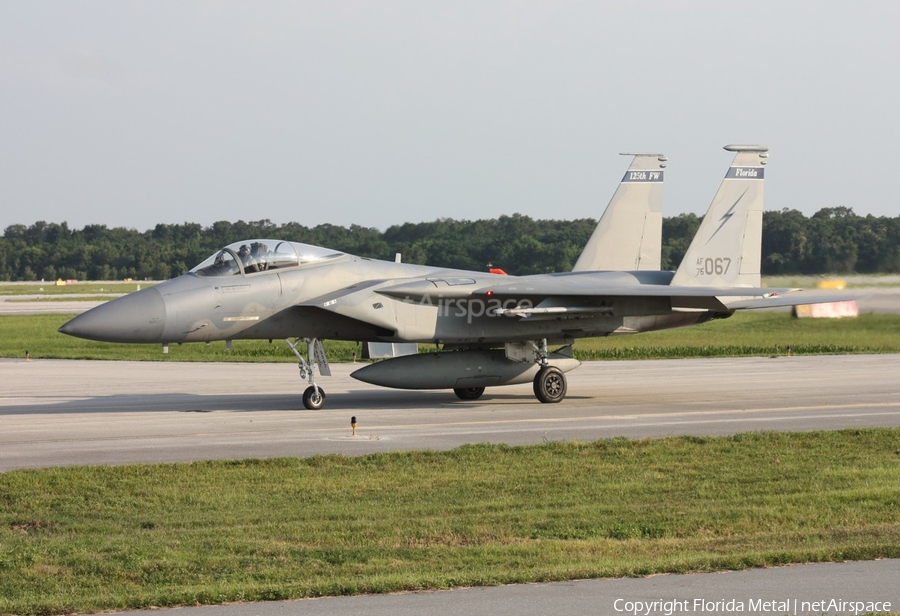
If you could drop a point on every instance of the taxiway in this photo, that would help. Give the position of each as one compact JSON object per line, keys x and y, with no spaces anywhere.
{"x":60,"y":413}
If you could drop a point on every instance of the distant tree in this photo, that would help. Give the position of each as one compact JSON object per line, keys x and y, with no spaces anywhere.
{"x":785,"y":244}
{"x":833,"y":240}
{"x":677,"y":233}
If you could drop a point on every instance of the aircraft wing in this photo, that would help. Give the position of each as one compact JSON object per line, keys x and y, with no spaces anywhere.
{"x":386,"y":303}
{"x":377,"y":302}
{"x":587,"y":286}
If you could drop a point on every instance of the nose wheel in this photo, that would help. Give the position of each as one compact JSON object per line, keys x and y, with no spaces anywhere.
{"x":313,"y":398}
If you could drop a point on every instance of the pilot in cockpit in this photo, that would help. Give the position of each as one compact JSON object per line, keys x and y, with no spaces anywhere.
{"x":258,"y":254}
{"x":246,"y":259}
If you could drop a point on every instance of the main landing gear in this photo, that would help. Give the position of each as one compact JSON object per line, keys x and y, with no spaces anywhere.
{"x":549,"y":382}
{"x":314,"y":396}
{"x":468,"y":393}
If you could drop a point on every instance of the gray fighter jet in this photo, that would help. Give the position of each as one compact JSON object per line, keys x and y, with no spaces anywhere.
{"x":492,"y":329}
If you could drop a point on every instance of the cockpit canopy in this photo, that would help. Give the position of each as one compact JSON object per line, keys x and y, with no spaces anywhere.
{"x":252,"y":256}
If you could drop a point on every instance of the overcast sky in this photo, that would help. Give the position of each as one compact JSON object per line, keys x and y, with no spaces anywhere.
{"x":132,"y":113}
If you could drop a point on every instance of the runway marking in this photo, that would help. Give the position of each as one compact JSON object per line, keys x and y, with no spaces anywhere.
{"x":581,"y":419}
{"x":305,"y":432}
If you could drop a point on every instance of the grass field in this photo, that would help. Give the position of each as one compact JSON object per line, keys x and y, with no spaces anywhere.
{"x":51,"y":289}
{"x":853,"y":281}
{"x":61,"y":298}
{"x":92,"y":538}
{"x":746,"y":333}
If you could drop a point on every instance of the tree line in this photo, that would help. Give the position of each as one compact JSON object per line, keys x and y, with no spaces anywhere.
{"x":833,"y":240}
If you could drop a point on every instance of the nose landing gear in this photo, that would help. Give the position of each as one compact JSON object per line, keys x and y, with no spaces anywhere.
{"x":314,"y":396}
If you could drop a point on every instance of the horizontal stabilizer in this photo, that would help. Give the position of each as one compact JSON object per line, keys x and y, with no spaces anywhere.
{"x":796,"y":298}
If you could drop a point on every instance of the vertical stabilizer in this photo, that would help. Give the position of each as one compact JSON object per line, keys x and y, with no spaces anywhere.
{"x":727,"y":248}
{"x":629,"y":234}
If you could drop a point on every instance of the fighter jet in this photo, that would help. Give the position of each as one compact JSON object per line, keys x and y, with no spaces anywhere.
{"x":491,"y":329}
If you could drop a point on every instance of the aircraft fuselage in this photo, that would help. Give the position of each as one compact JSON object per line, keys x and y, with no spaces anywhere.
{"x":283,"y":303}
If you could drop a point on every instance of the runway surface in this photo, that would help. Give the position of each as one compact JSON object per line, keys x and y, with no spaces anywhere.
{"x":776,"y":592}
{"x":57,"y":412}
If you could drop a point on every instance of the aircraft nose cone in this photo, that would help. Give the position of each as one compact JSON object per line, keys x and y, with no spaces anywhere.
{"x":137,"y":317}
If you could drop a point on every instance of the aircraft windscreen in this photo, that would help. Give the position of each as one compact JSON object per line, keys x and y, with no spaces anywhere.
{"x":253,"y":256}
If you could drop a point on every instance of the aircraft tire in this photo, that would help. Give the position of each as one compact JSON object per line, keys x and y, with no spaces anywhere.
{"x":468,"y":393}
{"x":550,"y":385}
{"x":313,"y":400}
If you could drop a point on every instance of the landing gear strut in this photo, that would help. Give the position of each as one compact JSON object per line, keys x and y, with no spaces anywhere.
{"x":314,"y":396}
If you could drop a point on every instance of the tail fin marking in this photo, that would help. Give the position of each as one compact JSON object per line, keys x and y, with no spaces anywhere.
{"x":728,"y":246}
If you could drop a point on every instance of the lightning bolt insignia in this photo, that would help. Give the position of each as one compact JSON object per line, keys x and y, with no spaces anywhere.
{"x":727,"y":216}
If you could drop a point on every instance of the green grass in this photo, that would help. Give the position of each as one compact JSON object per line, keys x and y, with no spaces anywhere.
{"x":38,"y":334}
{"x":754,"y":334}
{"x":745,"y":333}
{"x":853,"y":281}
{"x":64,"y":298}
{"x":101,"y":538}
{"x":50,"y":288}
